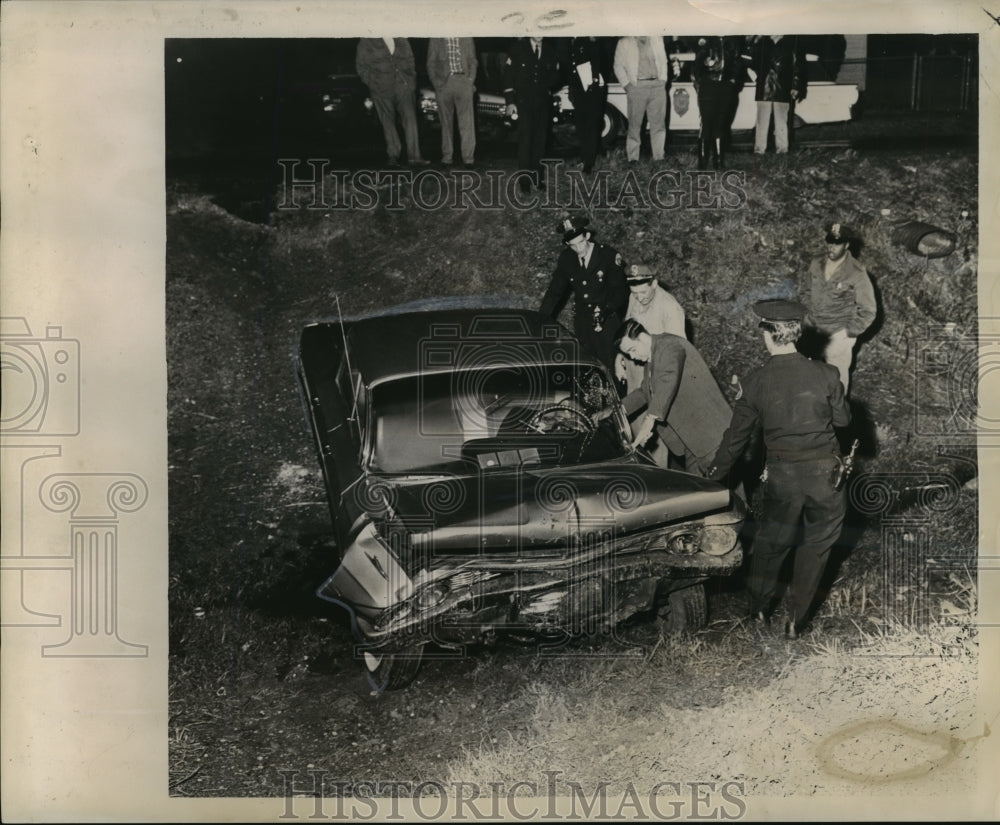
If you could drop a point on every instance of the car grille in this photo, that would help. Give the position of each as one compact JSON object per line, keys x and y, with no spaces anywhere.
{"x":491,"y":108}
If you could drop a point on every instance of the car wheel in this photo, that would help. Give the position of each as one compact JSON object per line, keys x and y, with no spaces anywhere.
{"x":612,"y":127}
{"x":392,"y":671}
{"x":686,"y":610}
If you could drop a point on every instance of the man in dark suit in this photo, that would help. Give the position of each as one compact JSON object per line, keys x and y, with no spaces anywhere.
{"x":385,"y":65}
{"x":451,"y":65}
{"x":531,"y":75}
{"x":682,"y":399}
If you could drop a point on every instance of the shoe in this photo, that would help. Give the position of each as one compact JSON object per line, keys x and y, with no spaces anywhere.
{"x":632,"y":164}
{"x":419,"y":162}
{"x":393,"y":163}
{"x":469,"y":165}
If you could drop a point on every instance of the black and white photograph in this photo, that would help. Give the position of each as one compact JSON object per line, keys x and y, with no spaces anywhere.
{"x":448,"y":411}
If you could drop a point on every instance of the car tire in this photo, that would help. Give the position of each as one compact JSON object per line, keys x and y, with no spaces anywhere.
{"x":686,"y":610}
{"x":613,"y":126}
{"x":392,"y":671}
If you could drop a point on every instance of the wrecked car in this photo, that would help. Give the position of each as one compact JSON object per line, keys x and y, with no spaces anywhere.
{"x":474,"y":491}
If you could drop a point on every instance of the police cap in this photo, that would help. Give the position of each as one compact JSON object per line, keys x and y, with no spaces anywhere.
{"x":779,"y":309}
{"x":639,"y":274}
{"x":838,"y":233}
{"x":571,"y":227}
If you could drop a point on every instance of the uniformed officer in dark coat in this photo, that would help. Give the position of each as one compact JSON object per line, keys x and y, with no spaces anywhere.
{"x":531,"y":75}
{"x":588,"y":90}
{"x":596,"y":276}
{"x":797,"y":402}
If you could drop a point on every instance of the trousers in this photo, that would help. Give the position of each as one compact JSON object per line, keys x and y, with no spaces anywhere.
{"x":399,"y":101}
{"x":764,"y":110}
{"x":455,"y":97}
{"x":797,"y":495}
{"x":840,"y":353}
{"x":649,"y":98}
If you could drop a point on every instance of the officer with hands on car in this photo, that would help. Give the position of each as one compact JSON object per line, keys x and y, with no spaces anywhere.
{"x":796,"y":402}
{"x":595,"y":274}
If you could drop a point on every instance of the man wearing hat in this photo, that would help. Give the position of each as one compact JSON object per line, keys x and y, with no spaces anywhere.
{"x":841,"y":299}
{"x":683,"y":402}
{"x":796,"y":402}
{"x":594,"y":274}
{"x":655,"y":308}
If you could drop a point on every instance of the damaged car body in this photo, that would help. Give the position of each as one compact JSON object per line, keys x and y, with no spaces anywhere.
{"x":474,"y":492}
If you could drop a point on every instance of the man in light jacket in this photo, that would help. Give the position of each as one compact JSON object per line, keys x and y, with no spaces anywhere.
{"x":641,"y":68}
{"x":451,"y":65}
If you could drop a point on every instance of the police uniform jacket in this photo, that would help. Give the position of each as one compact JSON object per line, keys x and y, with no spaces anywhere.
{"x":846,"y":301}
{"x":717,"y":61}
{"x":678,"y":388}
{"x":526,"y":78}
{"x":602,"y":284}
{"x":584,"y":50}
{"x":796,"y":402}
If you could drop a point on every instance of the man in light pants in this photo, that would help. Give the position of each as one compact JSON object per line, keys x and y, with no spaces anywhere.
{"x":780,"y":81}
{"x":451,"y":65}
{"x":841,"y":299}
{"x":641,"y":68}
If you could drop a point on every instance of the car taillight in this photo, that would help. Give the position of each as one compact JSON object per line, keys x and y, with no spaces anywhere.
{"x":718,"y":540}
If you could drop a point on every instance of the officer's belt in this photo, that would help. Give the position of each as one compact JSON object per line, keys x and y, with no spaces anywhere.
{"x":799,"y":455}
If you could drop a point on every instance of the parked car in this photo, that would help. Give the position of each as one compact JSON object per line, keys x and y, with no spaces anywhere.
{"x":825,"y":102}
{"x":473,"y":495}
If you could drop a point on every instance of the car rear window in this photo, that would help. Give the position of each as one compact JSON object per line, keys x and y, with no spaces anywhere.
{"x":441,"y":422}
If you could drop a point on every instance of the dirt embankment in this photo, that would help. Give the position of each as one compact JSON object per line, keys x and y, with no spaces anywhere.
{"x":262,"y":674}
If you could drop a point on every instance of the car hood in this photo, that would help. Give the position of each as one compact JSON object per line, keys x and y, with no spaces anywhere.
{"x":535,"y":510}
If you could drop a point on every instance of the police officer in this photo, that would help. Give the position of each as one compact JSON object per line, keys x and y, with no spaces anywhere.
{"x":797,"y":402}
{"x":531,"y":74}
{"x":588,"y":91}
{"x":595,"y":274}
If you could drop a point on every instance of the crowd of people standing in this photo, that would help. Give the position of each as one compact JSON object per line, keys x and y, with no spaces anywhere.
{"x":536,"y":67}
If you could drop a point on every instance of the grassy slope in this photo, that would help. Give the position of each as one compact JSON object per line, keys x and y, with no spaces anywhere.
{"x":246,"y":498}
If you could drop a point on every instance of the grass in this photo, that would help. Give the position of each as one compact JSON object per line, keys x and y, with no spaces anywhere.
{"x":251,"y":659}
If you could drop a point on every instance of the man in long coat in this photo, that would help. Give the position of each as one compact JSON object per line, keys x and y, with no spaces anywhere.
{"x":683,"y":402}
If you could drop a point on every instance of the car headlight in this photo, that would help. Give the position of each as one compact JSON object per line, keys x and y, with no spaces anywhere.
{"x":717,"y":540}
{"x":431,"y":595}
